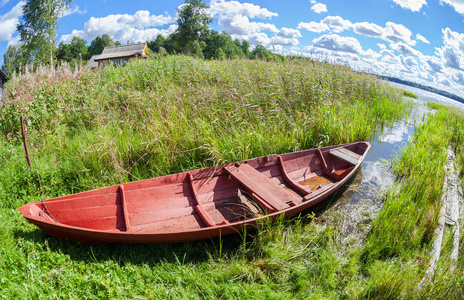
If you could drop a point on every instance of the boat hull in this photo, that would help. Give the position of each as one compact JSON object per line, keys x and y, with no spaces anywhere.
{"x":201,"y":204}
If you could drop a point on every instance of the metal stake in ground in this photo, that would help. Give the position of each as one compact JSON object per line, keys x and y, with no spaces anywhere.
{"x":26,"y":148}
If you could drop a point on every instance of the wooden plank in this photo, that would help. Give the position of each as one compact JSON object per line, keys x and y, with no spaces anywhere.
{"x":346,"y":155}
{"x":124,"y":207}
{"x":199,"y":208}
{"x":301,"y":189}
{"x":264,"y":188}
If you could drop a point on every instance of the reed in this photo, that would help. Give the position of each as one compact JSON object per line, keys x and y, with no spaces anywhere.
{"x":175,"y":113}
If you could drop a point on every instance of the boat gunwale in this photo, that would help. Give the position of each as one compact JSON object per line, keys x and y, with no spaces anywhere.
{"x":101,"y":236}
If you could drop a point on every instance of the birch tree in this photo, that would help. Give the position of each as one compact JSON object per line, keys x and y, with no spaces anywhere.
{"x":38,"y":28}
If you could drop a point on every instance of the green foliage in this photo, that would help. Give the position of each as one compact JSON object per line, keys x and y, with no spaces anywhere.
{"x":99,"y":43}
{"x":409,"y":94}
{"x":166,"y":115}
{"x":397,"y":248}
{"x":12,"y":59}
{"x":221,"y":46}
{"x":38,"y":29}
{"x":74,"y":51}
{"x":192,"y":22}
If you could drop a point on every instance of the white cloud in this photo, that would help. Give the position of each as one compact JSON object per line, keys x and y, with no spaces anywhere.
{"x":221,"y":7}
{"x":241,"y":25}
{"x":337,"y":23}
{"x":419,"y":37}
{"x":282,"y":41}
{"x":405,"y":49}
{"x":434,"y":63}
{"x":397,"y":33}
{"x":123,"y":27}
{"x":10,"y":20}
{"x":235,"y":19}
{"x":258,"y":38}
{"x":335,"y":42}
{"x":4,"y":2}
{"x":288,"y":33}
{"x":452,"y":53}
{"x":73,"y":10}
{"x":458,"y":5}
{"x":408,"y":62}
{"x":372,"y":53}
{"x":314,"y":26}
{"x":413,"y":5}
{"x":450,"y":57}
{"x":319,"y":8}
{"x":368,"y":29}
{"x":459,"y":78}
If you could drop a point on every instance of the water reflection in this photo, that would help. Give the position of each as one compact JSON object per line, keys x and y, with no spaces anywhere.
{"x":360,"y":201}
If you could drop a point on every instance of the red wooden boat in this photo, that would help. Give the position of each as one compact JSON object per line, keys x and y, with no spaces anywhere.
{"x":201,"y":204}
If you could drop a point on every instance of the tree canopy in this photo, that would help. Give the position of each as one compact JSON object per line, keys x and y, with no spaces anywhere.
{"x":38,"y":29}
{"x":192,"y":37}
{"x":192,"y":24}
{"x":99,"y":43}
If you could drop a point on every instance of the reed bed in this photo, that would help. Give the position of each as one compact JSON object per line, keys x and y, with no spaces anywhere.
{"x":94,"y":128}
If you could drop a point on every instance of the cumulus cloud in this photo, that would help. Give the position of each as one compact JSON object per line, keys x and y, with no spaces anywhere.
{"x":73,"y":10}
{"x":450,"y":56}
{"x":221,"y":7}
{"x":319,"y":8}
{"x":4,"y":2}
{"x":368,"y":29}
{"x":258,"y":38}
{"x":282,"y":41}
{"x":397,"y":33}
{"x":434,"y":64}
{"x":413,"y":5}
{"x":337,"y":23}
{"x":408,"y":62}
{"x":288,"y":33}
{"x":459,"y":78}
{"x":419,"y":37}
{"x":405,"y":49}
{"x":314,"y":26}
{"x":452,"y":53}
{"x":136,"y":27}
{"x":241,"y":25}
{"x":9,"y":21}
{"x":235,"y":19}
{"x":335,"y":42}
{"x":458,"y":5}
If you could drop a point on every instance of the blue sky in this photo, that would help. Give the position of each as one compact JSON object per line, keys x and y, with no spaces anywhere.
{"x":417,"y":40}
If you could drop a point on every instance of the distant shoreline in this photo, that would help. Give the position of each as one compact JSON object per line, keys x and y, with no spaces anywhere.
{"x":424,"y":87}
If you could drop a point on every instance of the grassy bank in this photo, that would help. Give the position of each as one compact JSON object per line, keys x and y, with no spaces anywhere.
{"x":167,"y":115}
{"x":397,"y":252}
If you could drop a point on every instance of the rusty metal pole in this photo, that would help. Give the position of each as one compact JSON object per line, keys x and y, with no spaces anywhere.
{"x":26,"y":148}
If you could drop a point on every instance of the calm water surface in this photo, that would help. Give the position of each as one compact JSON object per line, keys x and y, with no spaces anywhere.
{"x":359,"y":201}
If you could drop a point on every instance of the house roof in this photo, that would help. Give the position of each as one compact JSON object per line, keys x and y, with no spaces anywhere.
{"x":3,"y":76}
{"x":122,"y":51}
{"x":92,"y":63}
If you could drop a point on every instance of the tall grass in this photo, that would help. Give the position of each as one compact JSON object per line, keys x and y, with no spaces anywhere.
{"x":176,"y":113}
{"x":167,"y":115}
{"x":396,"y":253}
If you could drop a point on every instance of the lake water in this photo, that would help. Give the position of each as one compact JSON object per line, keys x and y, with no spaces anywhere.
{"x":358,"y":203}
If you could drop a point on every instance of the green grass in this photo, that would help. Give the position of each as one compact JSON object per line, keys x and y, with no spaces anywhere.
{"x":176,"y":113}
{"x":409,"y":94}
